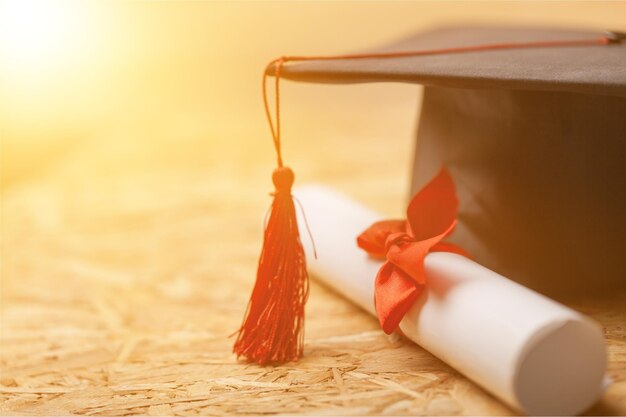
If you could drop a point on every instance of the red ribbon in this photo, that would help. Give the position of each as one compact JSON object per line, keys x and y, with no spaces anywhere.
{"x":431,"y":216}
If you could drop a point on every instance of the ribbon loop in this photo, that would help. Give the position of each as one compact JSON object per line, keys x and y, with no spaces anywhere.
{"x":431,"y":216}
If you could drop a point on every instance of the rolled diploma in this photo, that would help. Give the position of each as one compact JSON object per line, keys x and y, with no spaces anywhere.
{"x":531,"y":352}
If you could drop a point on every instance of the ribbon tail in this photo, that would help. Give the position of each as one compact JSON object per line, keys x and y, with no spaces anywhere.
{"x":395,"y":292}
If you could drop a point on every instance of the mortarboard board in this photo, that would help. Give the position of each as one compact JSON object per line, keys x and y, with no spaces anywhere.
{"x":534,"y":138}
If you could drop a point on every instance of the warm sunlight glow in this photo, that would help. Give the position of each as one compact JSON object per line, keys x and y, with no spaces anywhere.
{"x":53,"y":56}
{"x":38,"y":34}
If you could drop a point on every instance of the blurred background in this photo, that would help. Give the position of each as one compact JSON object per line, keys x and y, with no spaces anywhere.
{"x":157,"y":78}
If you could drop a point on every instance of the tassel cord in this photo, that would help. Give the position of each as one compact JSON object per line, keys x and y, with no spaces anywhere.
{"x":277,"y":64}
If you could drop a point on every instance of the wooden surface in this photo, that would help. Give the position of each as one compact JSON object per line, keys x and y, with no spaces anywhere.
{"x":126,"y":267}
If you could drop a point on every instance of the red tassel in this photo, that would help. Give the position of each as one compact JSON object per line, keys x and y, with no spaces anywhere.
{"x":273,"y":328}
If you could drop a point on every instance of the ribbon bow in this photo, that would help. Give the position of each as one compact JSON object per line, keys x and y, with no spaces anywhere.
{"x":431,"y":216}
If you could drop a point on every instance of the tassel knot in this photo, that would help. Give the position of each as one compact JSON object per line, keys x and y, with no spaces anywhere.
{"x":283,"y":178}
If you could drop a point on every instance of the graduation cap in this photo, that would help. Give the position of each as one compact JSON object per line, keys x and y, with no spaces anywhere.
{"x":531,"y":124}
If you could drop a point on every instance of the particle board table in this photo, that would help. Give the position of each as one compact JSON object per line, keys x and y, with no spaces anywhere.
{"x":126,"y":268}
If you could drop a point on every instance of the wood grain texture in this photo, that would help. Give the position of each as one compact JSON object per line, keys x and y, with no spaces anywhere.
{"x":125,"y":270}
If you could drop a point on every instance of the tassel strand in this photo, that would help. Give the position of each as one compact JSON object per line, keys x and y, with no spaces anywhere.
{"x":273,"y":328}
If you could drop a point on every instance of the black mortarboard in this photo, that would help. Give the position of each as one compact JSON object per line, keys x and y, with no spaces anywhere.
{"x":535,"y":139}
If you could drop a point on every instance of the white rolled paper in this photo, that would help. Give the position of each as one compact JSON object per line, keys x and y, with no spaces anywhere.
{"x":531,"y":352}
